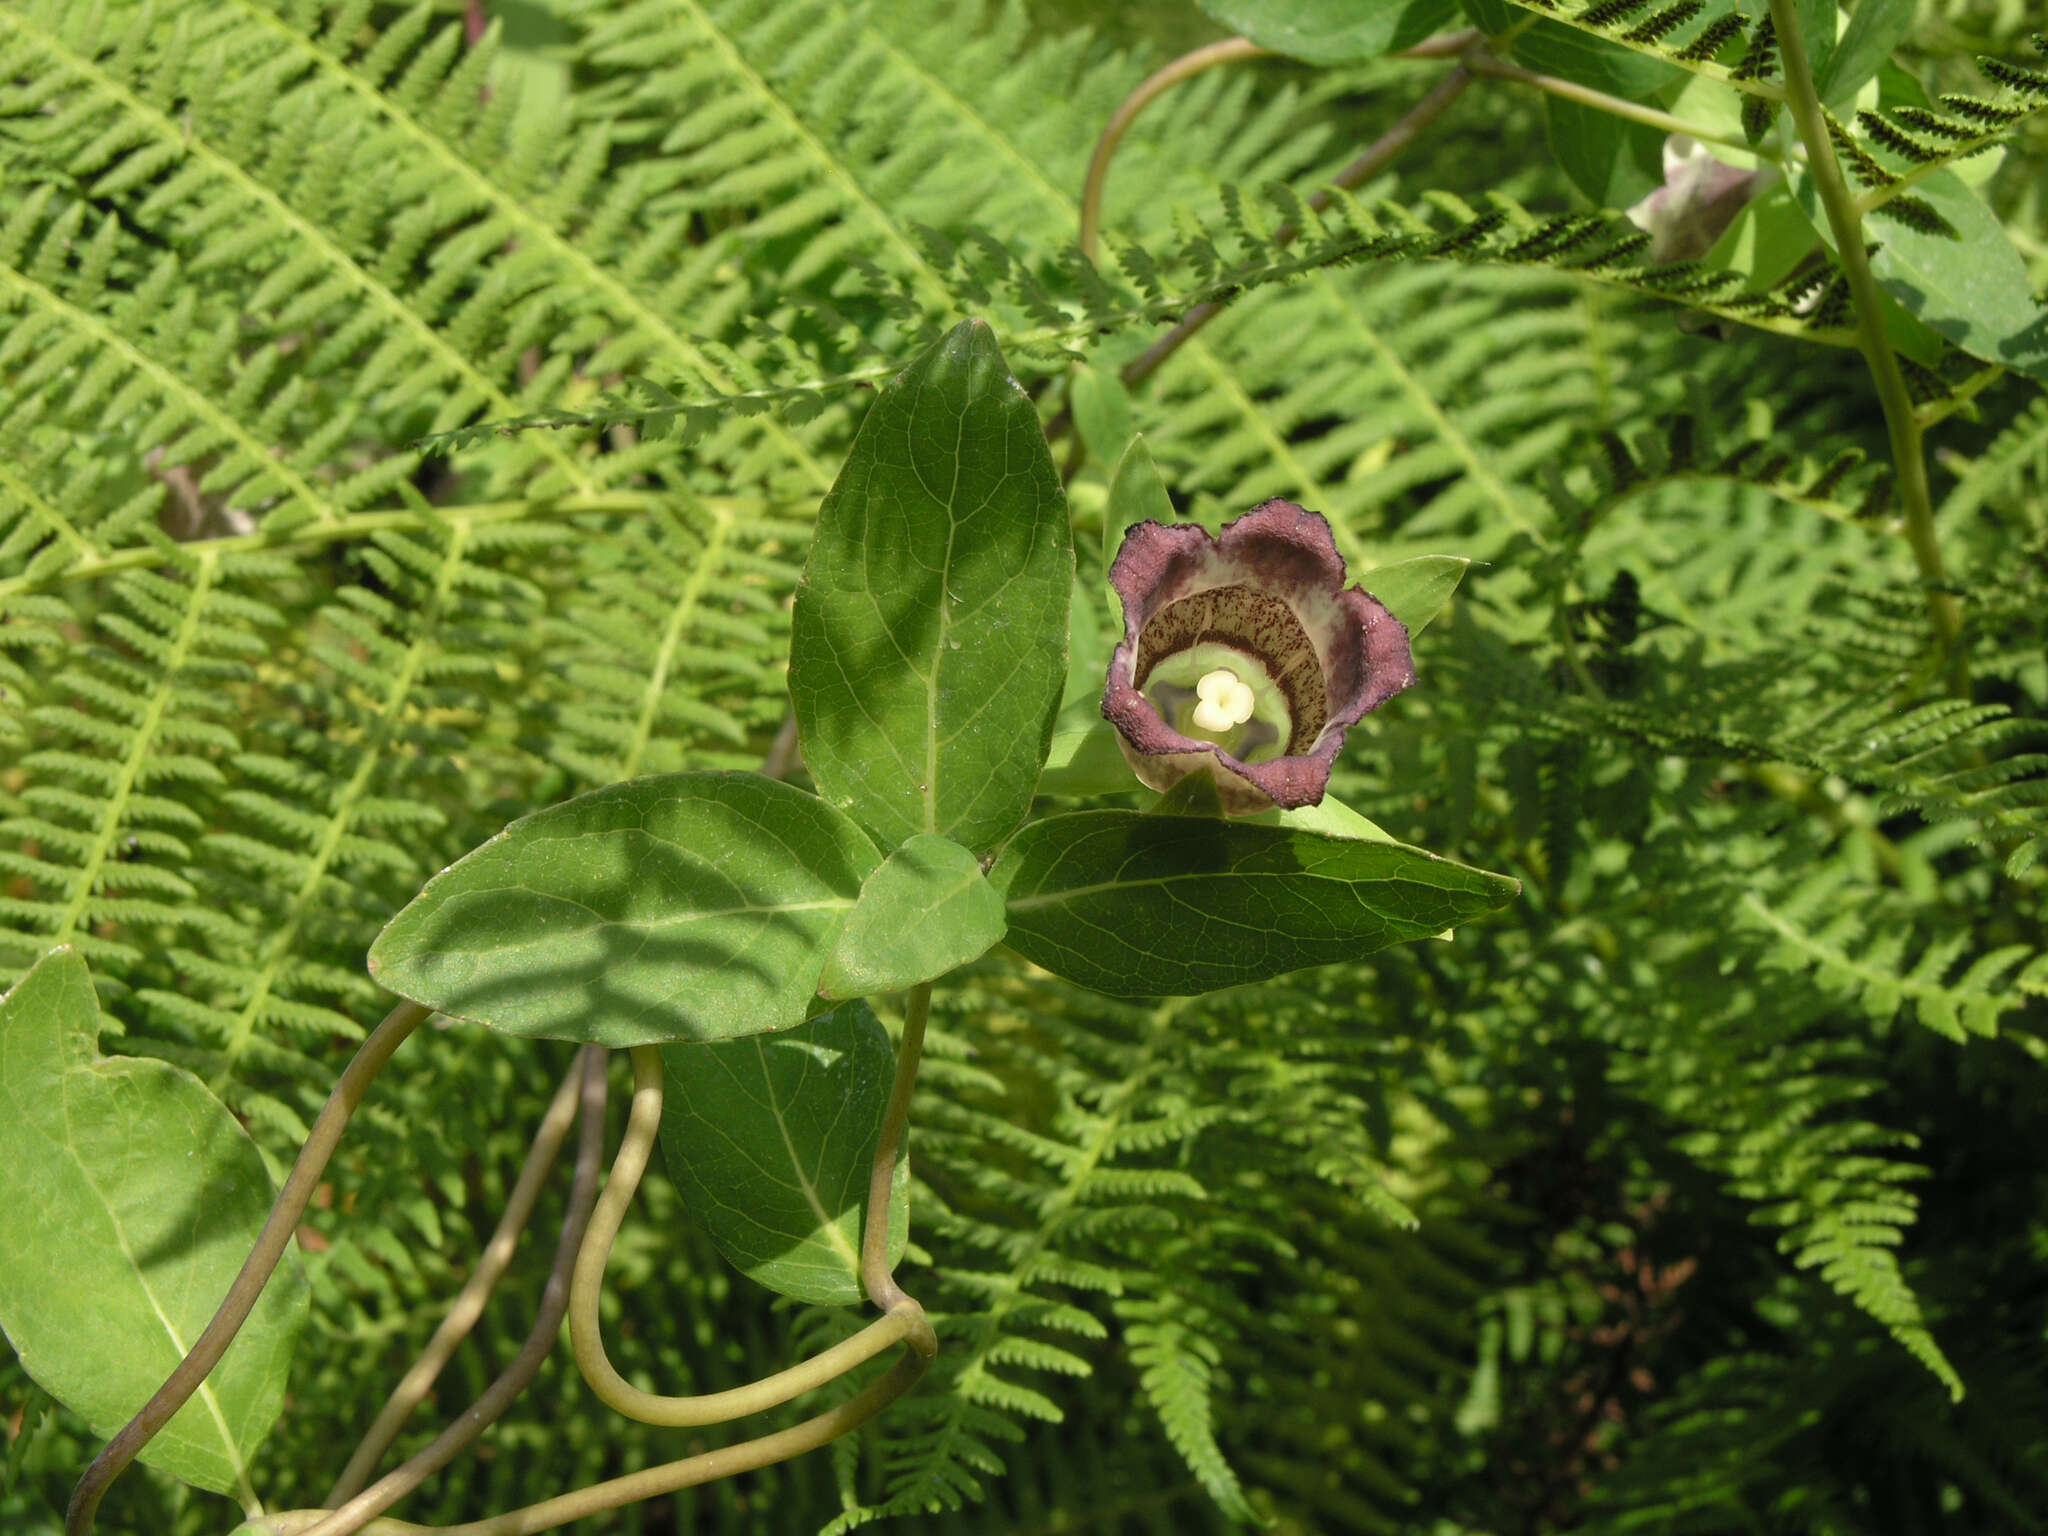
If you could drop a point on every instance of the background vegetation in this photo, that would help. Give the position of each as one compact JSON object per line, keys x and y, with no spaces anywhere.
{"x":1679,"y":1197}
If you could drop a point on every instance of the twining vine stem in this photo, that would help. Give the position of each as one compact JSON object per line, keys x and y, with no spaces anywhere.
{"x":1476,"y":56}
{"x":468,"y":1305}
{"x":1902,"y":422}
{"x":689,"y":1472}
{"x":1368,"y":164}
{"x":1231,"y":50}
{"x":1161,"y":80}
{"x":256,"y":1269}
{"x":643,"y":1124}
{"x":1379,"y":154}
{"x":903,"y":1320}
{"x":589,"y":1228}
{"x":587,"y":1077}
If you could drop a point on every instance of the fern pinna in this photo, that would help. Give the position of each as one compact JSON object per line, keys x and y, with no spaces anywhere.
{"x":412,"y":417}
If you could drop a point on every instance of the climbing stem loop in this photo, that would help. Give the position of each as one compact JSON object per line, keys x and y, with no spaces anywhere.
{"x":643,"y":1123}
{"x":355,"y":1510}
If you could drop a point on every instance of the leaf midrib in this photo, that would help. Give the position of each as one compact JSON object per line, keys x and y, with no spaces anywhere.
{"x":1069,"y":892}
{"x":206,"y":1394}
{"x":827,"y":1225}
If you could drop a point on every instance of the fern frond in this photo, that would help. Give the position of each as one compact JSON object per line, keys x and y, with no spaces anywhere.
{"x":1177,"y":1363}
{"x":1609,"y":20}
{"x":1596,"y":248}
{"x":1824,"y":1178}
{"x":1817,"y":929}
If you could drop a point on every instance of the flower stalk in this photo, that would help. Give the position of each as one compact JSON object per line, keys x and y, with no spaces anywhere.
{"x":1902,"y":422}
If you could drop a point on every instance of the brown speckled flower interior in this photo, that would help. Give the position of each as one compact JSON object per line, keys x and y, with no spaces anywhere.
{"x":1271,"y":588}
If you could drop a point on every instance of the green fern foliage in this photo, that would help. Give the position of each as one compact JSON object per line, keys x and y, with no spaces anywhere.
{"x":405,"y":424}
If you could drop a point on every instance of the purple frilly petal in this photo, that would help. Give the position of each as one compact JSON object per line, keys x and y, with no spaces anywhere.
{"x":1272,"y":585}
{"x":1700,"y":198}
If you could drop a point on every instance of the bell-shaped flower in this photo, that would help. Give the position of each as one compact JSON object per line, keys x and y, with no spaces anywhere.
{"x":1246,"y":653}
{"x":1700,"y":198}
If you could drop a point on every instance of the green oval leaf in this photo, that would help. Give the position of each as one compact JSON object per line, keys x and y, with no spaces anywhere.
{"x":928,"y":644}
{"x":1102,"y":412}
{"x":693,"y":906}
{"x":1875,"y":29}
{"x":1146,"y":906}
{"x":771,"y":1141}
{"x":1332,"y":31}
{"x":132,"y":1198}
{"x":1552,"y":48}
{"x":925,"y":911}
{"x":1613,"y":161}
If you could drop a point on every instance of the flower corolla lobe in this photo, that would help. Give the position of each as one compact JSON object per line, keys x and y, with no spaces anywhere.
{"x":1264,"y":604}
{"x":1699,"y":199}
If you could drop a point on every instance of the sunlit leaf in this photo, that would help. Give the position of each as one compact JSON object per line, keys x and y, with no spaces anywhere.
{"x":928,"y":647}
{"x":131,"y":1198}
{"x":927,"y":910}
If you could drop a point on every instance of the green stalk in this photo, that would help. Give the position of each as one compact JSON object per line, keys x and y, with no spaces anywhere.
{"x":469,"y":1304}
{"x":1901,"y":421}
{"x":876,"y":1274}
{"x":643,"y":1123}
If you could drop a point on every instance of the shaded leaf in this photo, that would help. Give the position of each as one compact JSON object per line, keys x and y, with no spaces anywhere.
{"x":691,"y":906}
{"x":1875,"y":28}
{"x":1613,"y":161}
{"x":771,"y":1140}
{"x":1551,"y":48}
{"x":1332,"y":31}
{"x":1137,"y":905}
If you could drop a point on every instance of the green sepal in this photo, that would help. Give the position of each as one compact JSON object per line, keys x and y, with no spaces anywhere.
{"x":1415,"y":591}
{"x":1087,"y":762}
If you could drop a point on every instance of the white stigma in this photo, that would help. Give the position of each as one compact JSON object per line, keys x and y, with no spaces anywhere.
{"x":1225,"y":701}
